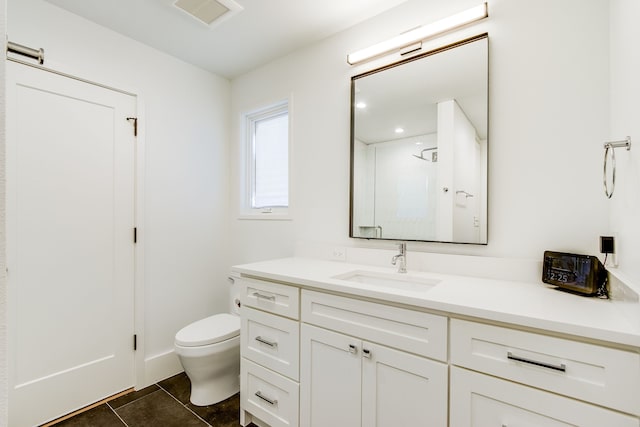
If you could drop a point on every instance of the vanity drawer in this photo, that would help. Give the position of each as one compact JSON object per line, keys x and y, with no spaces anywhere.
{"x":598,"y":374}
{"x":269,"y":396}
{"x":413,"y":331}
{"x":271,"y":341}
{"x":276,"y":298}
{"x":481,"y":400}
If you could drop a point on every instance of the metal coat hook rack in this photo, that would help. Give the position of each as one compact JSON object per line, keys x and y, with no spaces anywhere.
{"x":611,"y":146}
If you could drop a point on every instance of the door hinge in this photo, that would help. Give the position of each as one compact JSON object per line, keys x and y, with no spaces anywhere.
{"x":135,"y":124}
{"x":135,"y":342}
{"x":135,"y":234}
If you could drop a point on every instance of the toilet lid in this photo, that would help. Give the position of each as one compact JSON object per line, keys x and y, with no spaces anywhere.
{"x":211,"y":330}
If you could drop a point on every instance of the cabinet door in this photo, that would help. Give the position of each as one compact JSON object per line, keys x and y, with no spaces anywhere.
{"x":330,"y":378}
{"x":480,"y":400}
{"x":402,"y":390}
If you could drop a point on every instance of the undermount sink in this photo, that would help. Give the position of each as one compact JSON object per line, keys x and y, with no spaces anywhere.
{"x":394,"y":281}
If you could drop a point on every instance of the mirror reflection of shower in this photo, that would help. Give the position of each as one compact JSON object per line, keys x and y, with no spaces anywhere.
{"x":430,"y":158}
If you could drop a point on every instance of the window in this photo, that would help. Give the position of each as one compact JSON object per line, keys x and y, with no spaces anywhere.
{"x":266,"y":144}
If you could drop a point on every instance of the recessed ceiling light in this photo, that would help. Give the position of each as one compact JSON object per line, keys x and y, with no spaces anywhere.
{"x":361,"y":104}
{"x":399,"y":130}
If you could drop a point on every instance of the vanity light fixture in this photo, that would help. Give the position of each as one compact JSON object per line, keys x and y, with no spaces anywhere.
{"x":421,"y":33}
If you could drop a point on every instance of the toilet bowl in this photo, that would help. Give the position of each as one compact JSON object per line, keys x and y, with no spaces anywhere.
{"x":209,"y":351}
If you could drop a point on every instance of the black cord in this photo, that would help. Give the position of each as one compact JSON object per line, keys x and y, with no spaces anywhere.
{"x":602,"y":289}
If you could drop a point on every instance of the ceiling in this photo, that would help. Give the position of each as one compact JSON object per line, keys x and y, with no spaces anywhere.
{"x":263,"y":31}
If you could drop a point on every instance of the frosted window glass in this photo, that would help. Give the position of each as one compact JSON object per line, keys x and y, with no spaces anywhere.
{"x":271,"y":157}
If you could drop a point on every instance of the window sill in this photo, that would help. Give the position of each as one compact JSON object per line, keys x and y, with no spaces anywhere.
{"x":265,"y":217}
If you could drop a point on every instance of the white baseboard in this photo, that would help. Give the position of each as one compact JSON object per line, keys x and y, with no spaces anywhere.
{"x":160,"y":367}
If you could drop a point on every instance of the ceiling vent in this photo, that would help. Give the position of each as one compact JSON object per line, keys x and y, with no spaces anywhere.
{"x":209,"y":12}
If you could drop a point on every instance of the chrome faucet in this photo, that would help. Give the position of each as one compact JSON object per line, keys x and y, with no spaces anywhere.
{"x":402,"y":267}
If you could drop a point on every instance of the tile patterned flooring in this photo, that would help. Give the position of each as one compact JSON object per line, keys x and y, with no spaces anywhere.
{"x":164,"y":404}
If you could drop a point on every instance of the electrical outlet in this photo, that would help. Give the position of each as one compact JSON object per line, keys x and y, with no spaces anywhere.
{"x":339,"y":253}
{"x":608,"y":246}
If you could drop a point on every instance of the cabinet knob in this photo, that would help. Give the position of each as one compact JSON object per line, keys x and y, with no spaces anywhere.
{"x":366,"y":353}
{"x":353,"y":349}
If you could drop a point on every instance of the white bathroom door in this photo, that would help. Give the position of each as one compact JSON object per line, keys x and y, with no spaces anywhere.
{"x":70,"y":250}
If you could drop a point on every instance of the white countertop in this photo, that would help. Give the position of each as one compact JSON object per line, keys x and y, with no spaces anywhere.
{"x":531,"y":305}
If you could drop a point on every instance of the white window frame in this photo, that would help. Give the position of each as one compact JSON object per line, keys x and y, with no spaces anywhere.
{"x":248,"y":162}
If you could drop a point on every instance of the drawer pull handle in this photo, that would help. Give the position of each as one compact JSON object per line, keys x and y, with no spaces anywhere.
{"x":271,"y":344}
{"x":263,"y":296}
{"x":366,"y":353}
{"x":272,"y":402}
{"x":353,"y":349}
{"x":562,"y":367}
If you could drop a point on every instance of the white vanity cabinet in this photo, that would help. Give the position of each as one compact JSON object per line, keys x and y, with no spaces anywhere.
{"x":507,"y":377}
{"x":269,"y":348}
{"x":351,"y":376}
{"x":317,"y":352}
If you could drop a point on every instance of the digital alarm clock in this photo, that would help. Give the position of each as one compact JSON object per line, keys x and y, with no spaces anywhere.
{"x":584,"y":274}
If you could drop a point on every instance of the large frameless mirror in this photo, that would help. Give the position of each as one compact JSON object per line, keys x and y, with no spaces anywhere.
{"x":419,"y":147}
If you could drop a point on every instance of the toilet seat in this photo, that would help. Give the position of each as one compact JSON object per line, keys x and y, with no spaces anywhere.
{"x":211,"y":330}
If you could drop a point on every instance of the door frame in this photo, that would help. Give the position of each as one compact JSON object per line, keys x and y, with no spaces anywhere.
{"x":139,"y":211}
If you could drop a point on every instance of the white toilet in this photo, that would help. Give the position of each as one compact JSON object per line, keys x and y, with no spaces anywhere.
{"x":209,"y":351}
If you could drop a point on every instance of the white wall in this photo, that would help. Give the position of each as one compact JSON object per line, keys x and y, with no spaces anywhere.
{"x":549,"y":107}
{"x":3,"y":277}
{"x":364,"y":157}
{"x":466,"y":177}
{"x":625,"y":120}
{"x":185,"y":123}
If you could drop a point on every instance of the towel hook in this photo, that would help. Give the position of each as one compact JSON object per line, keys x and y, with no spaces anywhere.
{"x":612,"y":145}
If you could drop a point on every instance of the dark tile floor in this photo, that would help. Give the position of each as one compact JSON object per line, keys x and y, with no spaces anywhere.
{"x":164,"y":404}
